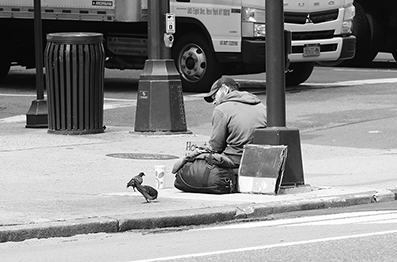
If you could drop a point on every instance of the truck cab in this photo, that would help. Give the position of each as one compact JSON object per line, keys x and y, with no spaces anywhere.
{"x":321,"y":31}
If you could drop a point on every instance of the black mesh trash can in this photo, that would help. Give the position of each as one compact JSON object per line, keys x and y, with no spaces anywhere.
{"x":74,"y":64}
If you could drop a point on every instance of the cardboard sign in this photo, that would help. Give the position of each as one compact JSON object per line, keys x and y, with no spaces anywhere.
{"x":191,"y":146}
{"x":261,"y":169}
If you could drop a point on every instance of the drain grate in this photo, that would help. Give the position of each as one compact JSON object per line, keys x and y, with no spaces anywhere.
{"x":143,"y":156}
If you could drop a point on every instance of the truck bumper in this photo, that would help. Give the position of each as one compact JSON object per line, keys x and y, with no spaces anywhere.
{"x":253,"y":51}
{"x":348,"y":48}
{"x":337,"y":48}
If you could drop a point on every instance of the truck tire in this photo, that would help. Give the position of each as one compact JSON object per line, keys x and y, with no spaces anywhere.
{"x":5,"y":64}
{"x":196,"y":63}
{"x":368,"y":34}
{"x":394,"y":53}
{"x":298,"y":73}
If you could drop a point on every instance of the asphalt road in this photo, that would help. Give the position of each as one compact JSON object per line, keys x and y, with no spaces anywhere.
{"x":359,"y":233}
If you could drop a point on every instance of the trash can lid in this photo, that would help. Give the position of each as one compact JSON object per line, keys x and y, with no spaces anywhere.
{"x":75,"y":38}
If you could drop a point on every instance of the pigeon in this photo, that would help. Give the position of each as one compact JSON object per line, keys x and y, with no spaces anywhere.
{"x":148,"y":192}
{"x":136,"y":180}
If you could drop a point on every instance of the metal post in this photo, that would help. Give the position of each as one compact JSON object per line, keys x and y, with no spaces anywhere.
{"x":165,"y":52}
{"x":275,"y":63}
{"x":277,"y":133}
{"x":160,"y":106}
{"x":38,"y":36}
{"x":37,"y":116}
{"x":154,"y":30}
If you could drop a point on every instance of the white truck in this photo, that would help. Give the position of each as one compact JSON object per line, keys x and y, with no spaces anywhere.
{"x":321,"y":31}
{"x":213,"y":37}
{"x":375,"y":28}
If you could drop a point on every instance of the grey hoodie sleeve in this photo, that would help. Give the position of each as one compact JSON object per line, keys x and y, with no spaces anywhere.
{"x":219,"y":132}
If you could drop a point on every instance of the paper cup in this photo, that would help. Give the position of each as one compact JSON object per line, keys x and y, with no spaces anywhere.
{"x":159,"y":175}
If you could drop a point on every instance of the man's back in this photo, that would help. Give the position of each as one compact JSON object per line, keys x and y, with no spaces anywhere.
{"x":234,"y":121}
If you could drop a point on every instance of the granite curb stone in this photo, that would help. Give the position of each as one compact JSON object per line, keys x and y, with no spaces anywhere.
{"x":188,"y":217}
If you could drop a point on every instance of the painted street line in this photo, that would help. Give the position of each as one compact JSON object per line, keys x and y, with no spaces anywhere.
{"x":110,"y":103}
{"x":356,"y":82}
{"x":264,"y":247}
{"x":333,"y":219}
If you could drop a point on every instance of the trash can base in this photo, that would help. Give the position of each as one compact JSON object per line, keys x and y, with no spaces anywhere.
{"x":77,"y":132}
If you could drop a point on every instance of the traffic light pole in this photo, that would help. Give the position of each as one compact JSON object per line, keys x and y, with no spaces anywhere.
{"x":37,"y":116}
{"x":160,"y":106}
{"x":276,"y":133}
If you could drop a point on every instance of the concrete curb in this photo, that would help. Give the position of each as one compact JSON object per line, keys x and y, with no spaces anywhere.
{"x":58,"y":229}
{"x":190,"y":217}
{"x":175,"y":219}
{"x":320,"y":203}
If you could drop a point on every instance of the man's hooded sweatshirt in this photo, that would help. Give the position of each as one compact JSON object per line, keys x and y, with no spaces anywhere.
{"x":234,"y":120}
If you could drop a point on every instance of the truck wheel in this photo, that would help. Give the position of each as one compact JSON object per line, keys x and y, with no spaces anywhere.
{"x":368,"y":34}
{"x":196,"y":62}
{"x":5,"y":64}
{"x":394,"y":53}
{"x":298,"y":73}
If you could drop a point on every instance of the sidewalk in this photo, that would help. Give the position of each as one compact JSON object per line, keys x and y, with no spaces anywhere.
{"x":57,"y":185}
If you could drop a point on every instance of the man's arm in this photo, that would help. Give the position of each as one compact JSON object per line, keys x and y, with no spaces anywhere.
{"x":217,"y":142}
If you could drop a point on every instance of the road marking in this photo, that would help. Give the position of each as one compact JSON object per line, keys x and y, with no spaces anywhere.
{"x":120,"y":104}
{"x":19,"y":95}
{"x":247,"y":249}
{"x":333,"y":219}
{"x":13,"y":119}
{"x":357,"y":82}
{"x":109,"y":103}
{"x":380,"y":218}
{"x":334,"y":84}
{"x":252,"y":81}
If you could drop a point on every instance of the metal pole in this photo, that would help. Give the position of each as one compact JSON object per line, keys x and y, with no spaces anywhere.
{"x":37,"y":116}
{"x":160,"y":106}
{"x":277,"y":133}
{"x":38,"y":35}
{"x":156,"y":27}
{"x":165,"y":52}
{"x":154,"y":22}
{"x":275,"y":63}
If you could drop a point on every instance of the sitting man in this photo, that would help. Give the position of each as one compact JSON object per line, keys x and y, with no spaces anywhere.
{"x":235,"y":117}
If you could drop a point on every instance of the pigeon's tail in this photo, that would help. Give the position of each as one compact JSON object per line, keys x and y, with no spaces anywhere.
{"x":148,"y":192}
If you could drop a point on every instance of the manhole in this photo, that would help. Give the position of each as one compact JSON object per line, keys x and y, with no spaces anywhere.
{"x":143,"y":156}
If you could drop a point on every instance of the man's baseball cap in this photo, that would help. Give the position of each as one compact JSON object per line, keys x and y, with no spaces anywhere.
{"x":217,"y":85}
